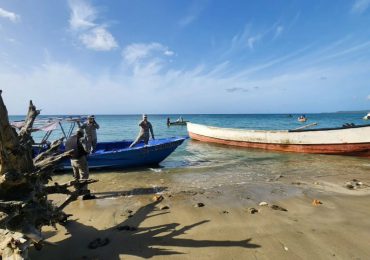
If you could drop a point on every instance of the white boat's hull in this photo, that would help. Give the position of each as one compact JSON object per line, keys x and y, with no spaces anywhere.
{"x":346,"y":141}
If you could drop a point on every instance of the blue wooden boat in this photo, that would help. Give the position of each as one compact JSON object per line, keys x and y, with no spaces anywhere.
{"x":118,"y":155}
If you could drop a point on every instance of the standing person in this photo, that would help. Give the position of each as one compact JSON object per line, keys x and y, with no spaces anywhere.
{"x":78,"y":158}
{"x":168,"y":121}
{"x":90,"y":129}
{"x":146,"y":126}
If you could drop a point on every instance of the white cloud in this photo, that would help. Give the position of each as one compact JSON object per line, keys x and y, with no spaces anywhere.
{"x":83,"y":15}
{"x":139,"y":51}
{"x":252,"y":41}
{"x":169,"y":53}
{"x":248,"y":38}
{"x":187,"y":20}
{"x":193,"y":12}
{"x":99,"y":39}
{"x":9,"y":15}
{"x":278,"y":31}
{"x":285,"y":79}
{"x":360,"y":6}
{"x":92,"y":35}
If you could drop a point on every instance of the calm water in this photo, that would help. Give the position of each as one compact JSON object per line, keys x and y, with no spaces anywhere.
{"x":197,"y":164}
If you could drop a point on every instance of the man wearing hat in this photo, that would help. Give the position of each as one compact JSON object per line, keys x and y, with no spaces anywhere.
{"x":78,"y":160}
{"x":145,"y":127}
{"x":90,"y":129}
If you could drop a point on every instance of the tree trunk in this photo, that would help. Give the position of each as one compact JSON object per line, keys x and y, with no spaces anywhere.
{"x":24,"y":204}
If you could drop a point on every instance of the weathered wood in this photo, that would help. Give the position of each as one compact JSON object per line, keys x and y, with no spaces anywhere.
{"x":24,"y":204}
{"x":15,"y":151}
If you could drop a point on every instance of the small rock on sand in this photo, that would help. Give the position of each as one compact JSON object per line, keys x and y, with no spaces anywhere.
{"x":252,"y":210}
{"x":199,"y":205}
{"x":263,"y":203}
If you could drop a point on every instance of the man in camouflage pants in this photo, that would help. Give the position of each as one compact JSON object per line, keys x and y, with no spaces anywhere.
{"x":79,"y":161}
{"x":146,"y":126}
{"x":90,"y":130}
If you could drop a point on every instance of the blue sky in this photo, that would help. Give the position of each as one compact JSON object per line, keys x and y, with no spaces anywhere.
{"x":203,"y":56}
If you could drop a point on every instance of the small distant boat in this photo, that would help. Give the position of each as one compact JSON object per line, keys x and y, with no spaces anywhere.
{"x":367,"y":117}
{"x":179,"y":123}
{"x":353,"y":140}
{"x":302,"y":118}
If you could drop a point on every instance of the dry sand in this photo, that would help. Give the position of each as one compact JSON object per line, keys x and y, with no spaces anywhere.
{"x":223,"y":228}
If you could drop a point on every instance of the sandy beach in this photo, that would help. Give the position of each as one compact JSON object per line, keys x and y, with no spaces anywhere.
{"x":161,"y":221}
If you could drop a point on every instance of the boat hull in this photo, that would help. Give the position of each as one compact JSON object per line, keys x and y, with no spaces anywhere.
{"x":299,"y":141}
{"x":152,"y":154}
{"x":178,"y":123}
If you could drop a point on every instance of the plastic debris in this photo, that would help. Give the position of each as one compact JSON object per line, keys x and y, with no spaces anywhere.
{"x":316,"y":202}
{"x":158,"y":198}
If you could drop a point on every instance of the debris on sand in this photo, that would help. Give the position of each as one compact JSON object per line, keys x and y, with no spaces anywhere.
{"x":354,"y":184}
{"x":252,"y":210}
{"x":276,"y":207}
{"x":316,"y":202}
{"x":263,"y":203}
{"x":158,"y":198}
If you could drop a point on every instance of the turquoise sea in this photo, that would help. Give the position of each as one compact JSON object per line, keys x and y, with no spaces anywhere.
{"x":196,"y":164}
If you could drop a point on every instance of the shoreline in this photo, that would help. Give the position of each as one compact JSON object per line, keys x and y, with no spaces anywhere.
{"x":136,"y":226}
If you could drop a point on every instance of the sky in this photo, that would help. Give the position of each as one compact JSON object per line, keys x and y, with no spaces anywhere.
{"x":185,"y":56}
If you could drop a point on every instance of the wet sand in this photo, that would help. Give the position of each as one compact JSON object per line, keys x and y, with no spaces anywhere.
{"x":135,"y":226}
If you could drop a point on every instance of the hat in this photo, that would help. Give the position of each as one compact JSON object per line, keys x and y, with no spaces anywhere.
{"x":90,"y":116}
{"x":145,"y":115}
{"x":79,"y":131}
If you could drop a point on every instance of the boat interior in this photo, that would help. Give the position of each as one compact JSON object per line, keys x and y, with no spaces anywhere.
{"x":344,"y":126}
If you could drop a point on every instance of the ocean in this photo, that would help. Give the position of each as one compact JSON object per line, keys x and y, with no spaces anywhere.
{"x":202,"y":165}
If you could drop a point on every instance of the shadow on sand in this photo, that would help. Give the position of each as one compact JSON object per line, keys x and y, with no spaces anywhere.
{"x":138,"y":241}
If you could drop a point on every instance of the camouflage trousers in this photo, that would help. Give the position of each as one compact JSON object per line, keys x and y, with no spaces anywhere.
{"x":80,"y":169}
{"x":140,"y":138}
{"x":91,"y":143}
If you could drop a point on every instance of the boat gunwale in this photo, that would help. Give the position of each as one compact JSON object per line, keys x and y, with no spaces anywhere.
{"x":283,"y":131}
{"x":127,"y":149}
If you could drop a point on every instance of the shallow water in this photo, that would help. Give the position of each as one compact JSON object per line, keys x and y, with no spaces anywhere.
{"x":201,"y":165}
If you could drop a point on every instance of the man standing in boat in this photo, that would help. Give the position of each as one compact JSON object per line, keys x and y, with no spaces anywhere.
{"x":90,"y":129}
{"x":145,"y":127}
{"x":79,"y":164}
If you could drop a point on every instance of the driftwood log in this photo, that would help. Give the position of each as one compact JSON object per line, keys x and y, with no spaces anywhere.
{"x":24,"y":189}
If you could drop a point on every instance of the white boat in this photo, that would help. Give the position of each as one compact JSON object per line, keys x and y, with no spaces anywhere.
{"x":347,"y":140}
{"x":367,"y":117}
